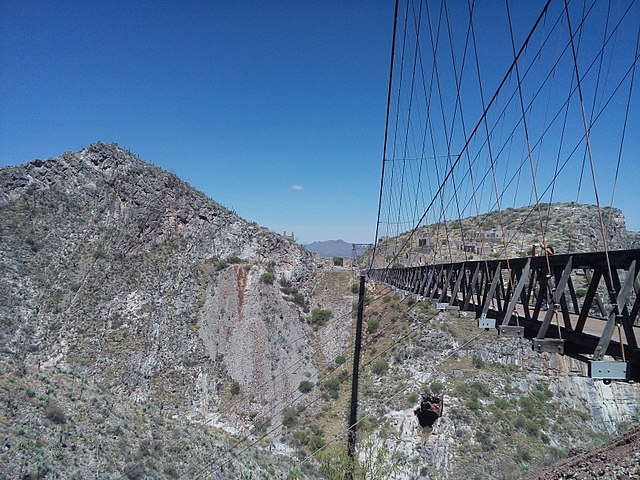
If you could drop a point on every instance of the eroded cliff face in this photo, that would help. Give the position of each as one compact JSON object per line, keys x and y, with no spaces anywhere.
{"x":123,"y":274}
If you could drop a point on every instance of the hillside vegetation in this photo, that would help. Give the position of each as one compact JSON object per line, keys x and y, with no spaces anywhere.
{"x":568,"y":227}
{"x":148,"y":332}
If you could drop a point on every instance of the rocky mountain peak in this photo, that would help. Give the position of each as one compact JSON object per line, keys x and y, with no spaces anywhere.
{"x":117,"y":270}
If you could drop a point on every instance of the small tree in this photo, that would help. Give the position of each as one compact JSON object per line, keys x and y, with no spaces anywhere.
{"x":337,"y":261}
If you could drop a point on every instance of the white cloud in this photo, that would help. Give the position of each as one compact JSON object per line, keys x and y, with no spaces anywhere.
{"x":296,"y":187}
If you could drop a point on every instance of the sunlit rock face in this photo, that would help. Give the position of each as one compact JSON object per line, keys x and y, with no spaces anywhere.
{"x":119,"y":271}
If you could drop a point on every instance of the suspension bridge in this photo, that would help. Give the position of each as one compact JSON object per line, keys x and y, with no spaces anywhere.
{"x":497,"y":132}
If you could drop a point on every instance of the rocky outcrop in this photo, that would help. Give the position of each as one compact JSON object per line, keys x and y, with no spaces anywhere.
{"x":568,"y":227}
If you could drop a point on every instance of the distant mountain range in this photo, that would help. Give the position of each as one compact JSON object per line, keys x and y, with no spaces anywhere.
{"x":333,"y":248}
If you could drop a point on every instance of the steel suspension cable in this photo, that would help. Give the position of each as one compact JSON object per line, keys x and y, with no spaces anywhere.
{"x":588,"y":141}
{"x":527,"y":139}
{"x":386,"y":130}
{"x":482,"y":117}
{"x":624,"y":127}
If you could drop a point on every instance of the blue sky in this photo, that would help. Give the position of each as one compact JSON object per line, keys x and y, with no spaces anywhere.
{"x":274,"y":109}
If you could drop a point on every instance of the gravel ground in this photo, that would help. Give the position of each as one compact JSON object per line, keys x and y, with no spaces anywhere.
{"x":618,"y":459}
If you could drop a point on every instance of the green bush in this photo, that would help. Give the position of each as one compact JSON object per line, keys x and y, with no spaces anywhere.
{"x":289,"y":416}
{"x":261,"y":424}
{"x":340,"y":359}
{"x":337,"y":261}
{"x":320,"y":317}
{"x":436,"y":387}
{"x":380,"y":366}
{"x":234,"y":259}
{"x":478,"y":362}
{"x":305,"y":386}
{"x":220,"y":265}
{"x":235,"y":388}
{"x":332,"y":385}
{"x":372,"y":326}
{"x":268,"y":278}
{"x":355,"y":287}
{"x":473,"y":390}
{"x":316,"y":442}
{"x":301,"y":436}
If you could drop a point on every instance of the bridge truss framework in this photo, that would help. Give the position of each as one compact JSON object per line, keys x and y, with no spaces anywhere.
{"x":536,"y":298}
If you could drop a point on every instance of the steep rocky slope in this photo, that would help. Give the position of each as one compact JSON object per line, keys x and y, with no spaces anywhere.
{"x":507,"y":410}
{"x":126,"y":278}
{"x":568,"y":227}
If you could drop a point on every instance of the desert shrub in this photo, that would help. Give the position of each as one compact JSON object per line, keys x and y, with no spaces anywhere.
{"x":380,"y":366}
{"x":299,"y":299}
{"x":134,"y":471}
{"x":337,"y":261}
{"x":54,"y":413}
{"x":372,"y":326}
{"x":220,"y":265}
{"x":340,"y":359}
{"x":234,"y":259}
{"x":235,"y":388}
{"x":268,"y":278}
{"x":478,"y":362}
{"x":316,"y":442}
{"x":305,"y":386}
{"x":522,"y":455}
{"x":320,"y":316}
{"x":436,"y":387}
{"x":485,"y":439}
{"x":473,"y":404}
{"x":261,"y":424}
{"x":332,"y":387}
{"x":301,"y":436}
{"x":473,"y":390}
{"x":289,"y":416}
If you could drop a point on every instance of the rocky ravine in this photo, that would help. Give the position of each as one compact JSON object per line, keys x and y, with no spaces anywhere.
{"x":508,"y":411}
{"x":142,"y":323}
{"x":125,"y":277}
